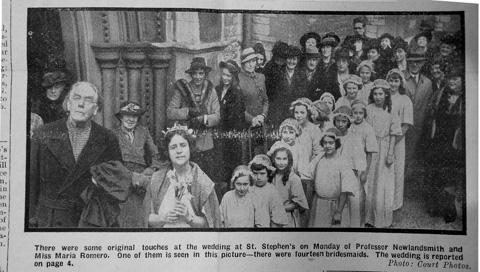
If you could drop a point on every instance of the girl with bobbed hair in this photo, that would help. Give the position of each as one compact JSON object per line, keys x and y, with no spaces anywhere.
{"x":180,"y":194}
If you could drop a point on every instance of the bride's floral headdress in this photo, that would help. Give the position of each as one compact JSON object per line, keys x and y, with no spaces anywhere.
{"x":177,"y":127}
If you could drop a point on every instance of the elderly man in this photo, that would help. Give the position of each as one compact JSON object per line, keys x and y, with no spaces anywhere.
{"x":62,"y":154}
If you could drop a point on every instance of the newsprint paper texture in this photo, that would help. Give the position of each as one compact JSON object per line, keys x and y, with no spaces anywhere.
{"x":124,"y":125}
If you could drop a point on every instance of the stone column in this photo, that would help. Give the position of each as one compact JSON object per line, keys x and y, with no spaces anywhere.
{"x":160,"y":60}
{"x":134,"y":58}
{"x":107,"y":58}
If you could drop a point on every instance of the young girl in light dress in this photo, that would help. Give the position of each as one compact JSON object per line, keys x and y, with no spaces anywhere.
{"x":402,"y":107}
{"x":289,"y":133}
{"x":366,"y":73}
{"x":381,"y":175}
{"x":289,"y":186}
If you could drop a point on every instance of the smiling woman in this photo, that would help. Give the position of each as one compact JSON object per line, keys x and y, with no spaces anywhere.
{"x":181,"y":195}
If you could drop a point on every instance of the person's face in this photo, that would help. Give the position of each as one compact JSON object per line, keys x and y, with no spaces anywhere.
{"x":260,"y":60}
{"x":82,"y":104}
{"x":280,"y":61}
{"x":300,"y":114}
{"x":358,"y":115}
{"x":198,"y":77}
{"x":329,"y":102}
{"x":379,"y":97}
{"x":437,"y":72}
{"x":394,"y":83}
{"x":179,"y":151}
{"x":373,"y":54}
{"x":342,"y":65}
{"x":358,"y":29}
{"x":328,"y":145}
{"x":241,"y":185}
{"x":288,"y":135}
{"x":250,"y":65}
{"x":326,"y":50}
{"x":352,"y":90}
{"x":311,"y":43}
{"x":281,"y":160}
{"x":226,"y":77}
{"x":400,"y":54}
{"x":385,"y":43}
{"x":54,"y":92}
{"x":341,"y":123}
{"x":455,"y":83}
{"x":129,"y":121}
{"x":365,"y":74}
{"x":292,"y":62}
{"x":422,"y":41}
{"x":414,"y":67}
{"x":260,"y":177}
{"x":312,"y":63}
{"x":446,"y":49}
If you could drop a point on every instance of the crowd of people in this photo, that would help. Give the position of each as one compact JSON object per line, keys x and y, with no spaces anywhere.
{"x":321,"y":135}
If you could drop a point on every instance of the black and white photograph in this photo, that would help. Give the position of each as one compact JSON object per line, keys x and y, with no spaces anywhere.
{"x":233,"y":120}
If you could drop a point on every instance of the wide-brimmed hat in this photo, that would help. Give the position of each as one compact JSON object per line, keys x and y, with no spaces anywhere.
{"x":455,"y":71}
{"x":198,"y":63}
{"x":330,"y":39}
{"x":386,"y":35}
{"x":52,"y":78}
{"x":353,"y":79}
{"x":130,"y":108}
{"x":291,"y":123}
{"x":248,"y":54}
{"x":399,"y":42}
{"x":416,"y":55}
{"x":231,"y":65}
{"x":294,"y":51}
{"x":280,"y":50}
{"x":381,"y":83}
{"x":449,"y":39}
{"x":262,"y":159}
{"x":372,"y":44}
{"x":426,"y":34}
{"x":312,"y":53}
{"x":366,"y":63}
{"x":309,"y":35}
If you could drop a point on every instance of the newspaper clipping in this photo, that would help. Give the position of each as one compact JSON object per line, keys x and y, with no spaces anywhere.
{"x":218,"y":135}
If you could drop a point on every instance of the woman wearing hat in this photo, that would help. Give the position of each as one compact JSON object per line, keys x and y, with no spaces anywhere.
{"x":356,"y":44}
{"x":446,"y":154}
{"x":290,"y":87}
{"x":274,"y":67}
{"x":381,"y":175}
{"x":326,"y":66}
{"x":342,"y":72}
{"x":49,"y":105}
{"x":400,"y":49}
{"x":195,"y":103}
{"x":139,"y":155}
{"x":310,"y":74}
